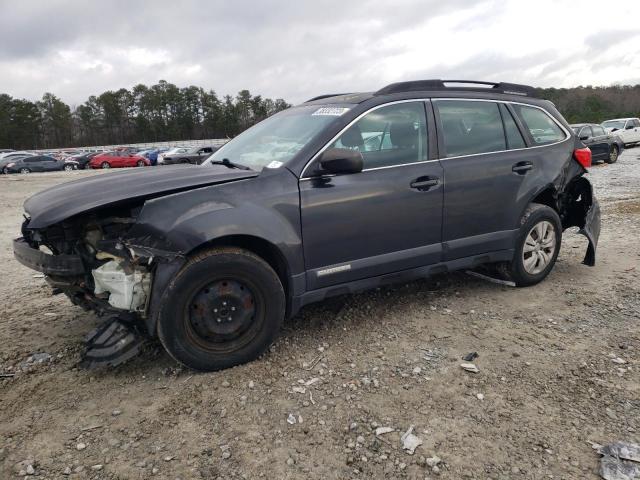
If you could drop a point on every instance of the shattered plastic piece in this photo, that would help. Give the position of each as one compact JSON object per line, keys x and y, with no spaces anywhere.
{"x":409,"y":441}
{"x":469,"y":367}
{"x":470,"y":357}
{"x":623,"y":450}
{"x":299,"y":389}
{"x":612,"y":468}
{"x":383,"y":430}
{"x":291,"y":419}
{"x":112,"y":343}
{"x":620,"y":461}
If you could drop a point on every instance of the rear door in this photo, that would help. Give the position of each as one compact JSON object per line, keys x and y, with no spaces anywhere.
{"x":489,"y":171}
{"x":50,"y":164}
{"x":634,"y":131}
{"x":387,"y":218}
{"x":599,"y":143}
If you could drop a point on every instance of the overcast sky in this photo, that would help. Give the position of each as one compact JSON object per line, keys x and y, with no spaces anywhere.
{"x":297,"y":49}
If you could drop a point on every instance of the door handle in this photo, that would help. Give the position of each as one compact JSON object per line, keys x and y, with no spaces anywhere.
{"x":424,"y":183}
{"x":522,"y":168}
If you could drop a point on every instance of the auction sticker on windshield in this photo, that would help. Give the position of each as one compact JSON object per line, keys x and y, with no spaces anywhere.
{"x":331,"y":111}
{"x":275,"y":164}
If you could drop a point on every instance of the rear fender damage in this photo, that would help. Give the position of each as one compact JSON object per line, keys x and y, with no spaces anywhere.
{"x":578,"y":207}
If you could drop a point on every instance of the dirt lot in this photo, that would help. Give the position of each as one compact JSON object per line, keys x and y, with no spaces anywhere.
{"x":547,"y":383}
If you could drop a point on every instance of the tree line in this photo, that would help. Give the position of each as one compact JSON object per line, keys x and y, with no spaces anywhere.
{"x":161,"y":112}
{"x":165,"y":112}
{"x":595,"y":104}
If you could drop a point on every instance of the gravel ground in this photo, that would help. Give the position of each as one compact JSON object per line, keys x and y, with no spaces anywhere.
{"x":559,"y":367}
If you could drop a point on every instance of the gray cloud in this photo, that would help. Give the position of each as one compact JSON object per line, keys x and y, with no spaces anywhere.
{"x":273,"y":47}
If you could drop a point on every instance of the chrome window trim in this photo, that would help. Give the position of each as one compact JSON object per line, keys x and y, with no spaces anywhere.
{"x":506,"y":102}
{"x":335,"y":137}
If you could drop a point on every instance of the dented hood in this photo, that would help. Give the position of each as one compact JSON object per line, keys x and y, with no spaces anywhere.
{"x":68,"y":199}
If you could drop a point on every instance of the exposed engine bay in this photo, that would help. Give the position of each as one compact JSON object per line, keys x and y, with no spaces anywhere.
{"x":110,"y":278}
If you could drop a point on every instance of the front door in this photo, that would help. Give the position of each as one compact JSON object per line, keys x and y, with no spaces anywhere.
{"x":387,"y":218}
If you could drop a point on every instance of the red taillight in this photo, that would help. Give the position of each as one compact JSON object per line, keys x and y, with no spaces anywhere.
{"x":583,"y":156}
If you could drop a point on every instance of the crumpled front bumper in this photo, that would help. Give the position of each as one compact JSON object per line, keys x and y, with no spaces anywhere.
{"x":56,"y":265}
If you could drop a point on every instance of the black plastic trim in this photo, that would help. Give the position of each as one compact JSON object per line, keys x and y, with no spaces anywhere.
{"x":59,"y":265}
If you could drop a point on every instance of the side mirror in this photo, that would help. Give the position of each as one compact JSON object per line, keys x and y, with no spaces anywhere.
{"x":629,"y":127}
{"x":584,"y":137}
{"x":341,"y":160}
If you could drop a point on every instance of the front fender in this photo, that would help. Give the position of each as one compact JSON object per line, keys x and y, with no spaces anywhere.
{"x":267,"y":207}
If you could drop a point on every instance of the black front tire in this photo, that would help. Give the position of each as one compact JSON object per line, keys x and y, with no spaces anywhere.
{"x":185,"y":342}
{"x":534,"y":214}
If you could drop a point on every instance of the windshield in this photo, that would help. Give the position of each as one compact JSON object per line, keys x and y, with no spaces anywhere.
{"x":619,"y":124}
{"x":278,"y":138}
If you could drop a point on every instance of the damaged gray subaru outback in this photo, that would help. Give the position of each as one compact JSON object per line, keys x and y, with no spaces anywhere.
{"x":342,"y":193}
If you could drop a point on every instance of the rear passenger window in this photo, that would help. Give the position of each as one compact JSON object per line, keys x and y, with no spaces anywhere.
{"x":514,"y":137}
{"x":543,"y":129}
{"x":585,"y":132}
{"x":470,"y":127}
{"x":392,"y":135}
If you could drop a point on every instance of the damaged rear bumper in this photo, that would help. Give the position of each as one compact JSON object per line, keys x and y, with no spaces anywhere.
{"x":591,"y":230}
{"x":56,"y":265}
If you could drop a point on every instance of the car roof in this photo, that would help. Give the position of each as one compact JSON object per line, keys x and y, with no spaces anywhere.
{"x":431,"y":88}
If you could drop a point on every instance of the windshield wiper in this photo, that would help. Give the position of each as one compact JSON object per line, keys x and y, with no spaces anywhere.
{"x":228,"y":163}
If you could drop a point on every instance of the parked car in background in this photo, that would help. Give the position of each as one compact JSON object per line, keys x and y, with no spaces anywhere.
{"x":118,"y":159}
{"x":605,"y":147}
{"x":171,"y":152}
{"x":152,"y":154}
{"x":6,"y":150}
{"x":83,"y":159}
{"x":195,"y":156}
{"x":628,"y":129}
{"x":16,"y":153}
{"x":39,"y":163}
{"x":6,"y":161}
{"x":296,"y":209}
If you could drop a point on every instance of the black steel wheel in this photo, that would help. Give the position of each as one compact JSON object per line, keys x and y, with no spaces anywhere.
{"x":613,"y":154}
{"x":224,"y":308}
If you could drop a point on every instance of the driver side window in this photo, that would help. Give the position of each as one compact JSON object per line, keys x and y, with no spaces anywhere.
{"x":391,"y":135}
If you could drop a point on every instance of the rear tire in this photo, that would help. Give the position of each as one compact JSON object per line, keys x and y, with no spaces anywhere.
{"x":25,"y":170}
{"x":105,"y":165}
{"x":537,"y":245}
{"x":224,"y":308}
{"x":613,"y":155}
{"x":140,"y":163}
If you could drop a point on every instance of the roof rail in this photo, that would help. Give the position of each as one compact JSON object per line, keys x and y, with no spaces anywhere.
{"x":466,"y":85}
{"x":328,"y":95}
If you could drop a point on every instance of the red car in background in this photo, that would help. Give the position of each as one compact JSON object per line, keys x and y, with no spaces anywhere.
{"x":117,"y":160}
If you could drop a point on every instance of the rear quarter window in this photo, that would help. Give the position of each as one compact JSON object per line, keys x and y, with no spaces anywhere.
{"x":544,"y":130}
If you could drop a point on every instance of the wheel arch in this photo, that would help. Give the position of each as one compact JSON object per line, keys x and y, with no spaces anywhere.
{"x":263,"y":248}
